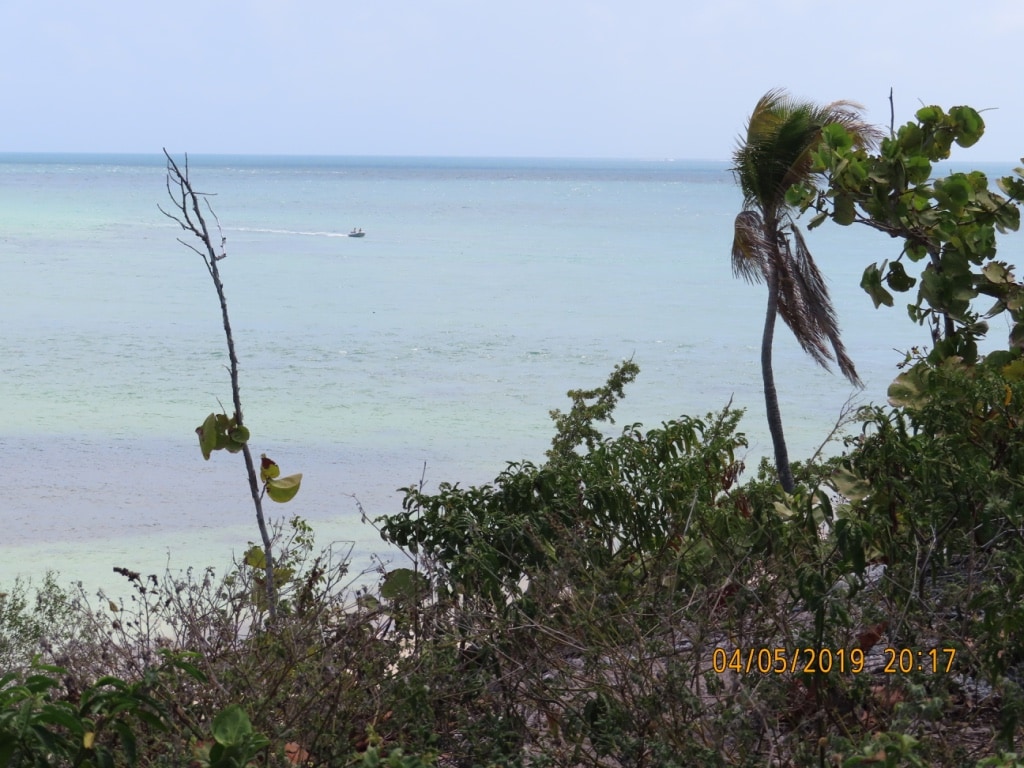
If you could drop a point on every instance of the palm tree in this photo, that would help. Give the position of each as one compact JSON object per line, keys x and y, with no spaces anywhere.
{"x":767,"y":245}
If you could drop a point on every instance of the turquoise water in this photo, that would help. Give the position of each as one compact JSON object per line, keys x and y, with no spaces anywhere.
{"x":434,"y":347}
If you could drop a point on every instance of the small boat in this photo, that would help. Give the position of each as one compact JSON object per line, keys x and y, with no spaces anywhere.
{"x":357,"y":233}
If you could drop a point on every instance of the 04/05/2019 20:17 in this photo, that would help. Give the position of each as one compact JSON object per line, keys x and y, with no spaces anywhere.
{"x":825,"y":660}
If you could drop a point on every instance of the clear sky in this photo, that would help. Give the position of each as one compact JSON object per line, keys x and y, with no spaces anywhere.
{"x":543,"y":78}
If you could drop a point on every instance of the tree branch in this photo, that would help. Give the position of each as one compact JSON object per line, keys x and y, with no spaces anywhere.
{"x":189,"y":215}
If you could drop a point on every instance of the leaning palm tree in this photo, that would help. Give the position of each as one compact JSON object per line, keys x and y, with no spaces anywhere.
{"x":767,"y":245}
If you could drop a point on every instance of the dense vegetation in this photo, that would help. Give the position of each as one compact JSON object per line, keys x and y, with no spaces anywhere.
{"x":633,"y":600}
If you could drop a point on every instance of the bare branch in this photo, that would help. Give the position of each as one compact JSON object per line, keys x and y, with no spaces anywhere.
{"x":188,"y":213}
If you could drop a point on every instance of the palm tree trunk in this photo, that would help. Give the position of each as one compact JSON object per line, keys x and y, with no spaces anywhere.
{"x":771,"y":397}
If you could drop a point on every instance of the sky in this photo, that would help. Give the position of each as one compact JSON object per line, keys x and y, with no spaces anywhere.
{"x":644,"y":79}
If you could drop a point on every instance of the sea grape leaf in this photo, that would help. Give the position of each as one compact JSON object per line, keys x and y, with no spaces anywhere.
{"x":255,"y":557}
{"x":871,"y":282}
{"x":837,"y":136}
{"x":817,"y":220}
{"x":268,"y":468}
{"x":898,"y":279}
{"x":852,"y":487}
{"x":997,"y":272}
{"x":908,"y":390}
{"x":283,"y":489}
{"x":208,"y":436}
{"x":844,"y":212}
{"x":970,"y":123}
{"x":231,"y":726}
{"x":403,"y":584}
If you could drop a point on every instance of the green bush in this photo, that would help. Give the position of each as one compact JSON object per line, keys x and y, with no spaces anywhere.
{"x":613,"y":505}
{"x":34,"y":620}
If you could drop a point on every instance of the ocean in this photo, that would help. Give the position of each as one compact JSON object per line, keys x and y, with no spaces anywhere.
{"x":430,"y":350}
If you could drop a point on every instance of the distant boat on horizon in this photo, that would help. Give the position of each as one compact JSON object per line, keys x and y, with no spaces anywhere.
{"x":357,"y":233}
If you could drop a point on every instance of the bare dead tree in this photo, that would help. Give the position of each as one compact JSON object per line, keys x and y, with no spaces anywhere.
{"x":188,"y":213}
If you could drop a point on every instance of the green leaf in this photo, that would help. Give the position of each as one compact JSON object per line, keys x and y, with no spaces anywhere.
{"x":871,"y":282}
{"x":128,"y":741}
{"x":837,"y":136}
{"x":1013,"y":188}
{"x":918,"y":169}
{"x":255,"y":557}
{"x":969,"y":123}
{"x":817,"y":220}
{"x":783,"y":510}
{"x":239,"y":435}
{"x":403,"y":584}
{"x":283,"y":489}
{"x":954,"y":191}
{"x":908,"y":390}
{"x":851,"y":486}
{"x":800,"y":195}
{"x":231,"y":726}
{"x":898,"y":279}
{"x":844,"y":212}
{"x":916,"y":251}
{"x":208,"y":436}
{"x":997,"y":272}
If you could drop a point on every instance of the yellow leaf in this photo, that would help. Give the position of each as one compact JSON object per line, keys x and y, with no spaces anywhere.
{"x":282,"y":489}
{"x":88,"y":738}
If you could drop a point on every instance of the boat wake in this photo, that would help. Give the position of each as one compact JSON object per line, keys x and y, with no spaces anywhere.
{"x":299,"y":233}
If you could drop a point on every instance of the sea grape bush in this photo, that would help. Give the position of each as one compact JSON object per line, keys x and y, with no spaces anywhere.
{"x":617,"y":502}
{"x":950,"y":223}
{"x":937,"y":483}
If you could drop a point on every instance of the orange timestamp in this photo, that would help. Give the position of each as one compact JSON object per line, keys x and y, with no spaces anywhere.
{"x":826,"y":660}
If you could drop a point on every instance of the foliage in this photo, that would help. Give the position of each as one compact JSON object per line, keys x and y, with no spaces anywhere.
{"x":584,"y":588}
{"x":377,"y":755}
{"x":616,"y":630}
{"x":235,"y":743}
{"x":33,"y":619}
{"x":949,"y":223}
{"x":937,"y":487}
{"x":43,"y":725}
{"x":617,"y":503}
